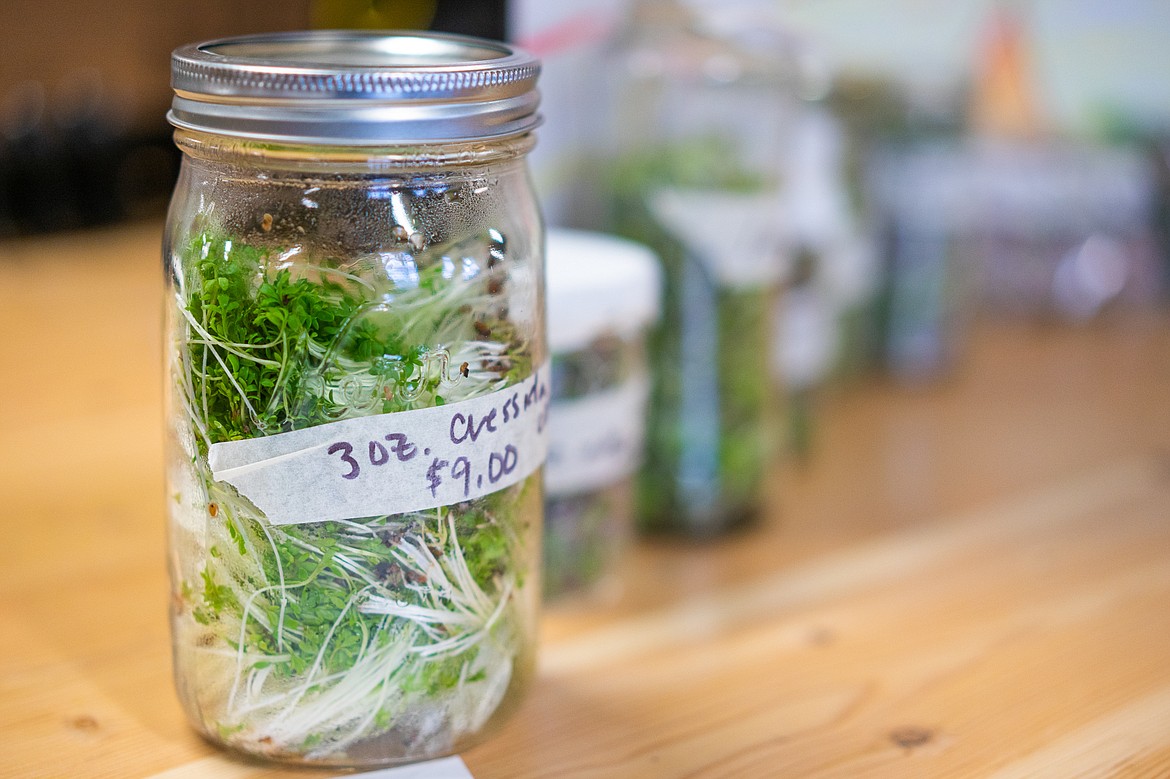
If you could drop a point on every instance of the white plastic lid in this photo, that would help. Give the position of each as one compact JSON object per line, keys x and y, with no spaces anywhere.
{"x":598,"y":284}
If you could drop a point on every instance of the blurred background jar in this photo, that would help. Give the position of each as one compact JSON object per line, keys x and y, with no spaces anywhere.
{"x":705,"y":104}
{"x":603,"y":296}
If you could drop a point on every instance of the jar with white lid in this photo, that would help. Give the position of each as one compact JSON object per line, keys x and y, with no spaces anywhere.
{"x":603,"y":296}
{"x":357,"y":395}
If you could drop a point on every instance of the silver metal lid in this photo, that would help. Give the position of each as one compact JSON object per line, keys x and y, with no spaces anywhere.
{"x":354,"y":88}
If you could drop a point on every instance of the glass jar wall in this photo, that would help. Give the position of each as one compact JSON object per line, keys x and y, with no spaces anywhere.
{"x":354,"y":531}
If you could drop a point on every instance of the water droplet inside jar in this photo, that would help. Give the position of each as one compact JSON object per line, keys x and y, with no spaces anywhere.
{"x":399,"y":234}
{"x":418,"y":241}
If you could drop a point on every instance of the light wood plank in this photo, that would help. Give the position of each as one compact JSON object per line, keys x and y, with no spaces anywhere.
{"x":968,"y":580}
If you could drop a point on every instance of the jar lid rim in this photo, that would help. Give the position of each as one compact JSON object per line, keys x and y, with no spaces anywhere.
{"x":338,"y":86}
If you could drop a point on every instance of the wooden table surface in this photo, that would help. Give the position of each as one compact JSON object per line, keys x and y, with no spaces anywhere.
{"x":966,"y":580}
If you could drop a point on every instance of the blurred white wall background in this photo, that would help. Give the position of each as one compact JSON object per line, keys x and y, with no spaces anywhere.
{"x":570,"y":37}
{"x":1096,"y":62}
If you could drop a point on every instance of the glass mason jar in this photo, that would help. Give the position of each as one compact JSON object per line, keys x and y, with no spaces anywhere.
{"x":357,"y":392}
{"x":603,"y":296}
{"x":703,"y":118}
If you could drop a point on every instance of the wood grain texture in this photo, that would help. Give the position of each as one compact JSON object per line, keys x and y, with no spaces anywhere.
{"x":967,"y":580}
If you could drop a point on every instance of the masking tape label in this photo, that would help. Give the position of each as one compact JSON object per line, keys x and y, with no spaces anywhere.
{"x":393,"y":463}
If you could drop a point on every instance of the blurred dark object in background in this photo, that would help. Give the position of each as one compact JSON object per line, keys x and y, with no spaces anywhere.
{"x":1159,"y":154}
{"x":72,"y":159}
{"x":84,"y":93}
{"x":909,"y":323}
{"x":83,"y":96}
{"x":918,"y":204}
{"x":484,"y":18}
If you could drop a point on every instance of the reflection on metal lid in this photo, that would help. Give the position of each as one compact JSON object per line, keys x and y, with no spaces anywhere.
{"x":355,"y":88}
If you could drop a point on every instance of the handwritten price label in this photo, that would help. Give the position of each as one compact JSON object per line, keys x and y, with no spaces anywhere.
{"x":393,"y":463}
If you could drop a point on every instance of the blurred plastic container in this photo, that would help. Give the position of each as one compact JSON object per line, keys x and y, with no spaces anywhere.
{"x":1019,"y":228}
{"x":603,"y":296}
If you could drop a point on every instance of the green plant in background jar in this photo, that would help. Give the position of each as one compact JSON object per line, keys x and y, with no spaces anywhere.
{"x":697,"y":177}
{"x":709,"y":434}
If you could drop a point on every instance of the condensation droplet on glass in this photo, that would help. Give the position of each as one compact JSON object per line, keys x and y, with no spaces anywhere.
{"x":399,"y":234}
{"x":418,"y":241}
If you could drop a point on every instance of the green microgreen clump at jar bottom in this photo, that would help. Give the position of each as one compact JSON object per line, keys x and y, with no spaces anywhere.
{"x":708,"y":442}
{"x":340,"y":640}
